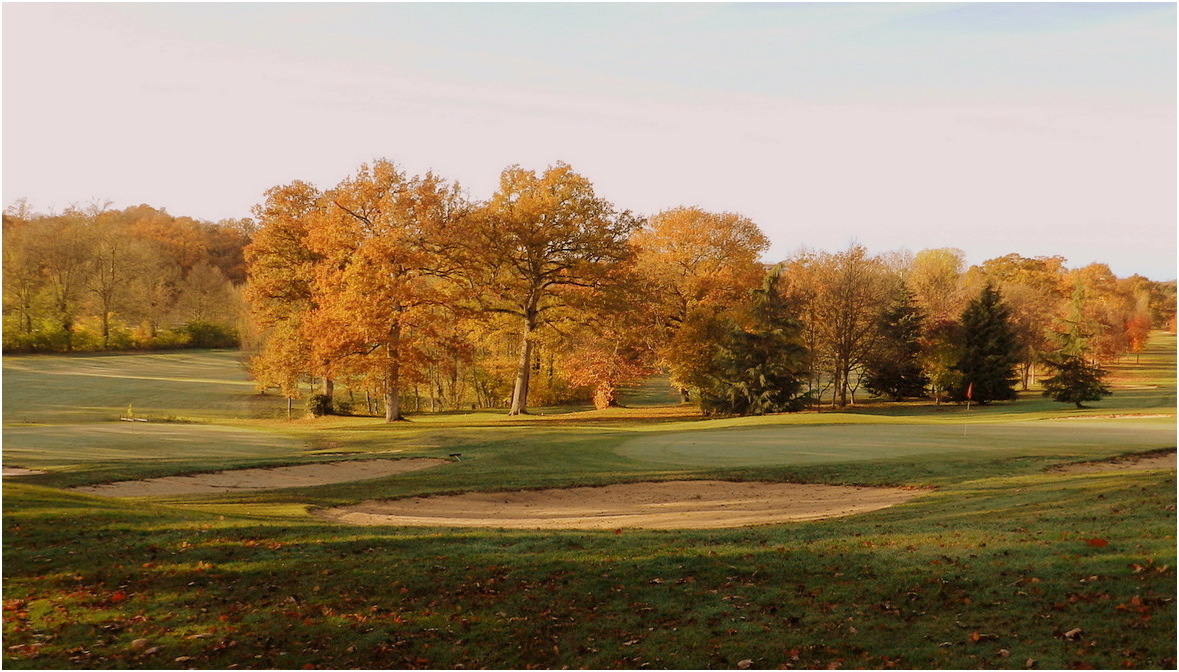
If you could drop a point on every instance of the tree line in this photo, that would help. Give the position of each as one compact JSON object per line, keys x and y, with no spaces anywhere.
{"x":392,"y":291}
{"x":95,"y":278}
{"x":391,"y":288}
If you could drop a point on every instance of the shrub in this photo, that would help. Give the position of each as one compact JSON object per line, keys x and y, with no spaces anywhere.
{"x":208,"y":335}
{"x":319,"y":405}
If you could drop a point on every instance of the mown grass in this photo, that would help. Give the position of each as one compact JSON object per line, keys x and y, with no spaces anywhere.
{"x":1003,"y":563}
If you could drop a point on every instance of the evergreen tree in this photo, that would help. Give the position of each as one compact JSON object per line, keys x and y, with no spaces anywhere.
{"x":760,"y":368}
{"x":990,"y":352}
{"x":894,"y":366}
{"x":1075,"y":381}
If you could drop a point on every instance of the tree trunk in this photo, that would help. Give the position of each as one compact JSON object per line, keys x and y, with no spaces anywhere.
{"x":523,"y":372}
{"x":106,"y":328}
{"x":393,"y":375}
{"x":329,"y":391}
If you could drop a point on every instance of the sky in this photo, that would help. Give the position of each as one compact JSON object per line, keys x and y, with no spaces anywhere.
{"x":1038,"y":129}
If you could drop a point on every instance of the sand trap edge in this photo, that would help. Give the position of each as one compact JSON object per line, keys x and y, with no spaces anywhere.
{"x":262,"y":478}
{"x":647,"y":505}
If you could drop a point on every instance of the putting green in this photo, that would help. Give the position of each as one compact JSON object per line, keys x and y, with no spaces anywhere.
{"x":53,"y":445}
{"x":793,"y":444}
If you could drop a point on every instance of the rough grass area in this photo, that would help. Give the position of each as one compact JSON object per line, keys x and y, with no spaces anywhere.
{"x":1006,"y":563}
{"x":1064,"y":571}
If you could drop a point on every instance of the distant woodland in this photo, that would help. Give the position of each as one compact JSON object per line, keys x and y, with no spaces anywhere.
{"x":99,"y":279}
{"x":391,"y":293}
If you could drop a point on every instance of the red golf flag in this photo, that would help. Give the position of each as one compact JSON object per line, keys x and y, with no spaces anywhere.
{"x":970,"y":391}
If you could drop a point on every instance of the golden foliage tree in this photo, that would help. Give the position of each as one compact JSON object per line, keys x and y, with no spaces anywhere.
{"x":540,"y":238}
{"x":697,"y":266}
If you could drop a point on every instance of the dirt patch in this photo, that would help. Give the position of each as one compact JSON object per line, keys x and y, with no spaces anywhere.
{"x":1166,"y":461}
{"x":243,"y":480}
{"x":666,"y":505}
{"x":19,"y":471}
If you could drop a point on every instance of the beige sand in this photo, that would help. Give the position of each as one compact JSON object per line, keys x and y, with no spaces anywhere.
{"x":241,"y":480}
{"x":667,"y":505}
{"x":19,"y":471}
{"x":1152,"y":462}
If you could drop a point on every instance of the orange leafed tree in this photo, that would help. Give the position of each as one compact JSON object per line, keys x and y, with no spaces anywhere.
{"x":697,"y":265}
{"x":538,"y":240}
{"x":279,"y":286}
{"x":611,"y":343}
{"x":378,"y":284}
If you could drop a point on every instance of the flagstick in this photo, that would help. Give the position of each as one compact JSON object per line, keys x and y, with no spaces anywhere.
{"x":969,"y":396}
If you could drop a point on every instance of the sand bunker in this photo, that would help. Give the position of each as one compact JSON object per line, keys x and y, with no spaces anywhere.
{"x":667,"y":505}
{"x":242,"y":480}
{"x":19,"y":471}
{"x":1149,"y":462}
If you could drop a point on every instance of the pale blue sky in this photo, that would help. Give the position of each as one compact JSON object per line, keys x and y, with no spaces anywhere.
{"x":995,"y":128}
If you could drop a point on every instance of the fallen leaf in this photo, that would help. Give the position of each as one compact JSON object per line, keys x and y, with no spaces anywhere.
{"x":744,"y":664}
{"x":1096,"y":542}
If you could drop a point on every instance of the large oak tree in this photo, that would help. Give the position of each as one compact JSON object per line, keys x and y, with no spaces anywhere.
{"x":535,"y":246}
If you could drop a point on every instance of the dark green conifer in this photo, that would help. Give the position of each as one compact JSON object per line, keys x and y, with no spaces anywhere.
{"x":894,"y":367}
{"x":1075,"y":381}
{"x":758,"y":368}
{"x":990,"y":357}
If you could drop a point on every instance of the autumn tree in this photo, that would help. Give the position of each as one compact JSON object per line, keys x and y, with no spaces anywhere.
{"x":378,"y":281}
{"x":63,"y":248}
{"x":23,"y":277}
{"x":1075,"y":379}
{"x":206,"y":295}
{"x":941,"y":352}
{"x":280,"y":283}
{"x":935,"y":278}
{"x":281,"y":361}
{"x":1034,"y":292}
{"x":1163,"y":305}
{"x":610,"y":342}
{"x":801,"y":284}
{"x":117,"y":261}
{"x":853,"y":291}
{"x":698,"y":267}
{"x":84,"y":278}
{"x":538,"y":238}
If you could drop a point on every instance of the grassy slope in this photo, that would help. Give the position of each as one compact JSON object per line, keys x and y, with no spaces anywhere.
{"x":990,"y":570}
